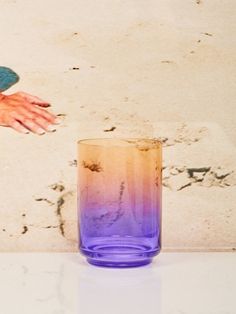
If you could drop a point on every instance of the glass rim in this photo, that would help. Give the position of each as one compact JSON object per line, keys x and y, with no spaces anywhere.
{"x":89,"y":141}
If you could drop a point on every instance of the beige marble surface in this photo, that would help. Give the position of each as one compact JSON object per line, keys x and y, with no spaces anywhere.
{"x":163,"y":68}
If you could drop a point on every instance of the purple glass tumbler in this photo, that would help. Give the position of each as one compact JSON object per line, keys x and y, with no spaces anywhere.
{"x":119,"y":201}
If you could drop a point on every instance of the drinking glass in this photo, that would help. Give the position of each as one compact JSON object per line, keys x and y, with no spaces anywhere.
{"x":119,"y":201}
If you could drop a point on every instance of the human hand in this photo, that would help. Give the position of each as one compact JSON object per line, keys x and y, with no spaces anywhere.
{"x":21,"y":111}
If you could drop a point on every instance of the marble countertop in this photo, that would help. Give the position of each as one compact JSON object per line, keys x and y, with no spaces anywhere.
{"x":176,"y":283}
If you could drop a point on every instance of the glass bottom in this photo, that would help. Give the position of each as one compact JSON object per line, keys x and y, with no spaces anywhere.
{"x":118,"y":263}
{"x":119,"y":254}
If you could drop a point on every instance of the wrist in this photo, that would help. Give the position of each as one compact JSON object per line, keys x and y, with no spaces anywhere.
{"x":2,"y":96}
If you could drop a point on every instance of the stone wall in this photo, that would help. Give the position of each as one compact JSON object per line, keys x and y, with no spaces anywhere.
{"x":161,"y":69}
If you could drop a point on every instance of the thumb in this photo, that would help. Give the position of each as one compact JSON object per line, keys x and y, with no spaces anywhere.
{"x":34,"y":100}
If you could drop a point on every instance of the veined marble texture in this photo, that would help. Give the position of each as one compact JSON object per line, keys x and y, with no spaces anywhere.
{"x":162,"y":69}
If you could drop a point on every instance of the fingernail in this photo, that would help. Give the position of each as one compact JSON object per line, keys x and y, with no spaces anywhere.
{"x":25,"y":131}
{"x":51,"y":128}
{"x":40,"y":131}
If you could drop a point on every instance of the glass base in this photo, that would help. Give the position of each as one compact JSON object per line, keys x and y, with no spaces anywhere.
{"x":119,"y":255}
{"x":118,"y":263}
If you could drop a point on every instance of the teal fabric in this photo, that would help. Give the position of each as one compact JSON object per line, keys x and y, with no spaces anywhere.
{"x":7,"y":78}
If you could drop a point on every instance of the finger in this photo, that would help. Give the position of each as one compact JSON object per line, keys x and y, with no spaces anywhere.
{"x":28,"y":123}
{"x":14,"y":124}
{"x":26,"y":112}
{"x":44,"y":124}
{"x":40,"y":120}
{"x":34,"y":99}
{"x":47,"y":115}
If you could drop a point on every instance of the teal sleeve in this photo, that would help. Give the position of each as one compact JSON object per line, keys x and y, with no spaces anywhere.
{"x":7,"y":78}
